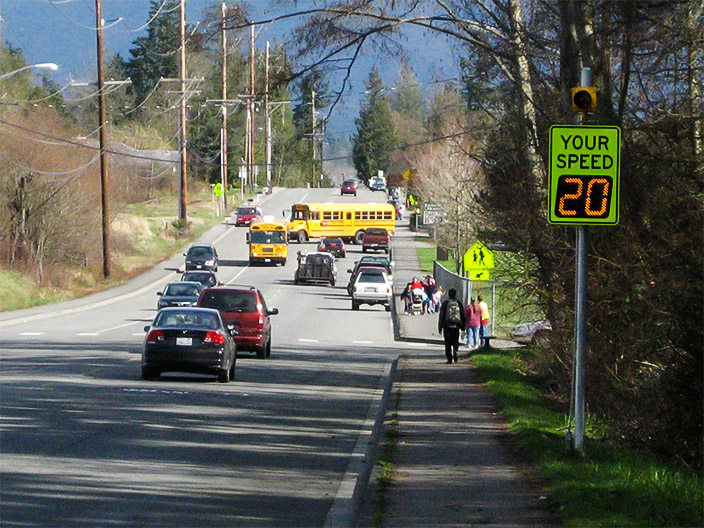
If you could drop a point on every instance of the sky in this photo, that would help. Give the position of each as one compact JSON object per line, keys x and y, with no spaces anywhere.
{"x":62,"y":31}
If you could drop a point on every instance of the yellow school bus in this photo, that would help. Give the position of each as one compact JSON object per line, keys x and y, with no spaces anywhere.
{"x":267,"y":241}
{"x":348,"y":221}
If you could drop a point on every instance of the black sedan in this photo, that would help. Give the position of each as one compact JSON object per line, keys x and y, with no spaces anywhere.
{"x":336,"y":246}
{"x":181,"y":293}
{"x":189,"y":340}
{"x":205,"y":277}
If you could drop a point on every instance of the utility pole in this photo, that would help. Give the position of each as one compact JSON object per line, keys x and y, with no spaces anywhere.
{"x":103,"y":140}
{"x":312,"y":137}
{"x":183,"y":187}
{"x":223,"y":139}
{"x":251,"y":104}
{"x":267,"y":118}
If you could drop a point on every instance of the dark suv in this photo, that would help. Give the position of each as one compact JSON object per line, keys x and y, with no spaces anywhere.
{"x":245,"y":308}
{"x":201,"y":257}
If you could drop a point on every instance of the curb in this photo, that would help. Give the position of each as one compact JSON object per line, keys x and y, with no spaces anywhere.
{"x":345,"y":506}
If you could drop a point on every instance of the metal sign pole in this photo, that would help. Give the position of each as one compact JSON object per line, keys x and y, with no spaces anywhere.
{"x":580,"y":319}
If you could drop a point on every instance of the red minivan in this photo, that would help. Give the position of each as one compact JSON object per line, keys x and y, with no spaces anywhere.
{"x":245,"y":308}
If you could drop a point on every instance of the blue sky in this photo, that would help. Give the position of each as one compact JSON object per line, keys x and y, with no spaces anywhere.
{"x":61,"y":31}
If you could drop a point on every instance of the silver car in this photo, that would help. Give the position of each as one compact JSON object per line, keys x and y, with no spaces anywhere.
{"x":372,"y":286}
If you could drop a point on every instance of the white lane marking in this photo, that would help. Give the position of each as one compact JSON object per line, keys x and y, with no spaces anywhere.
{"x":233,"y":279}
{"x":363,"y":342}
{"x":119,"y":326}
{"x":139,"y":334}
{"x":32,"y":333}
{"x":88,"y":333}
{"x":309,"y":340}
{"x":421,"y":345}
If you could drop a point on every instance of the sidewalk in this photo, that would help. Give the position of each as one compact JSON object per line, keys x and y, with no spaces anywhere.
{"x":452,"y":463}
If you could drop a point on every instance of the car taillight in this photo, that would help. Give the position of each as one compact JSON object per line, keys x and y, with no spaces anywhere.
{"x":155,"y":335}
{"x":216,"y":338}
{"x":322,"y":247}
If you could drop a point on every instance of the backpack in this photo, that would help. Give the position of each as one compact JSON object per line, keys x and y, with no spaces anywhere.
{"x":453,"y":316}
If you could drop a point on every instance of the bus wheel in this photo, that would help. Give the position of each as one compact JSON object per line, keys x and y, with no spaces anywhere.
{"x":302,"y":237}
{"x":358,"y":237}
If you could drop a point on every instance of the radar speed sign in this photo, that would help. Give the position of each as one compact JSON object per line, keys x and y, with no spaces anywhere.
{"x":583,"y":186}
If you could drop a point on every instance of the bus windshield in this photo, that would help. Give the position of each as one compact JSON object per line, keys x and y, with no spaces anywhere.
{"x":268,"y":237}
{"x":300,"y":213}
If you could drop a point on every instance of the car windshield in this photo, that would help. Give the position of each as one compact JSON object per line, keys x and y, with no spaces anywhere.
{"x":370,"y":277}
{"x":182,"y":290}
{"x":268,"y":237}
{"x":246,"y":211}
{"x":229,"y":301}
{"x":189,"y":318}
{"x":203,"y":278}
{"x":200,"y":252}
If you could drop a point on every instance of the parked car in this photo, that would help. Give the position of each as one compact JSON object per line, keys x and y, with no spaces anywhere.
{"x":245,"y":309}
{"x":189,"y":340}
{"x":336,"y":246}
{"x":246,"y":213}
{"x":201,"y":257}
{"x":181,"y":293}
{"x":376,"y":238}
{"x":371,"y":287}
{"x":533,"y":333}
{"x":315,"y":268}
{"x":205,"y":277}
{"x":349,"y":187}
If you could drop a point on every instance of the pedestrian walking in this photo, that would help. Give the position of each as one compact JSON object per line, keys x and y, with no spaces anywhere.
{"x":450,"y":321}
{"x":473,"y":318}
{"x":484,"y":328}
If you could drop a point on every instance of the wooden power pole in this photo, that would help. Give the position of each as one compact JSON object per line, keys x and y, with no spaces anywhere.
{"x":103,"y":140}
{"x":223,"y":139}
{"x":183,"y":187}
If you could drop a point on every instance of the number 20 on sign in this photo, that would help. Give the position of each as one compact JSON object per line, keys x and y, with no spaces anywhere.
{"x":583,"y":186}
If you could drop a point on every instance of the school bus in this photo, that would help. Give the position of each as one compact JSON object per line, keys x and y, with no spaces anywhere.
{"x":267,"y":241}
{"x":348,"y":221}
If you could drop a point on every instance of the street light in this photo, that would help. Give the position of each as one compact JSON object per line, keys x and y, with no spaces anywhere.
{"x":41,"y":66}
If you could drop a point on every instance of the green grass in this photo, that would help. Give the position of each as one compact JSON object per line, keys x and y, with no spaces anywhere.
{"x":611,"y":485}
{"x":428,"y":255}
{"x":19,"y":292}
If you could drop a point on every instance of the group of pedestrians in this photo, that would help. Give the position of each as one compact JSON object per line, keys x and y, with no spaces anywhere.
{"x":455,"y":318}
{"x":424,"y":292}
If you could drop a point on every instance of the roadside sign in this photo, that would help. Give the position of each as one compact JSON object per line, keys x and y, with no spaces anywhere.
{"x":584,"y":177}
{"x":478,"y":257}
{"x":478,"y":275}
{"x":217,"y":190}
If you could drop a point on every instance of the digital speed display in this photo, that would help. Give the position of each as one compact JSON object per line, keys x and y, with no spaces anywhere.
{"x":585,"y":197}
{"x":584,"y":175}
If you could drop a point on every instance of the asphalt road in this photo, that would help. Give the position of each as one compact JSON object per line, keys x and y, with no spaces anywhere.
{"x":86,"y":442}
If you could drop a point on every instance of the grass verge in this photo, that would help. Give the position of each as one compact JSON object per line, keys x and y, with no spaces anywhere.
{"x":611,"y":485}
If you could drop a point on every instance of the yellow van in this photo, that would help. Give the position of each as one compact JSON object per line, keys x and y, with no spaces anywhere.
{"x":267,"y":241}
{"x":348,"y":221}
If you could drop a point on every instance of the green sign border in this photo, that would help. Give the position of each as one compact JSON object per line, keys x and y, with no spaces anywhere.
{"x":554,"y":173}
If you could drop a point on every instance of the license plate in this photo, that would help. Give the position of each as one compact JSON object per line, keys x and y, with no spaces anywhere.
{"x":184,"y":341}
{"x":369,"y":289}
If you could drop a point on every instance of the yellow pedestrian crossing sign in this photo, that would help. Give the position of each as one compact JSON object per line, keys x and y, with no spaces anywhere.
{"x":478,"y":262}
{"x":478,"y":257}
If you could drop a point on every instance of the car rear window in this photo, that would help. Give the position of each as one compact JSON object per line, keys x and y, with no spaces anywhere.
{"x":371,"y":277}
{"x":376,"y":232}
{"x":229,"y":301}
{"x":190,"y":318}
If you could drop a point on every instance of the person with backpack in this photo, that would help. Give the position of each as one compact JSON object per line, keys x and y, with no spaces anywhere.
{"x":450,"y":321}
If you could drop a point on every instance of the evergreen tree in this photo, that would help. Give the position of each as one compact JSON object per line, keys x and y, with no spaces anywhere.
{"x":375,"y":139}
{"x":155,"y":55}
